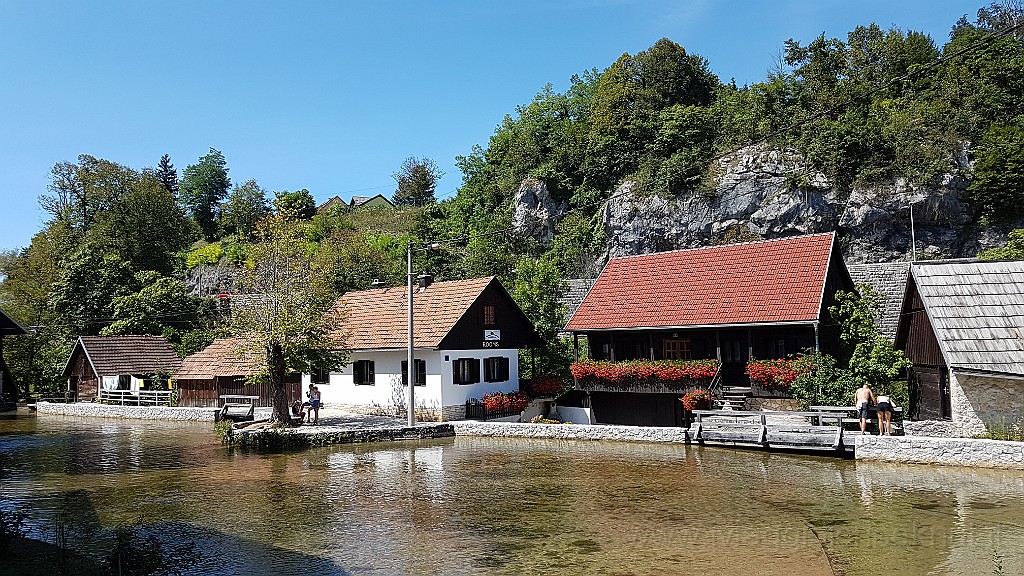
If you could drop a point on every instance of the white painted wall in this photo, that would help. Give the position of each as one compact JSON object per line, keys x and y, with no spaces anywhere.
{"x":439,"y":391}
{"x":455,"y":394}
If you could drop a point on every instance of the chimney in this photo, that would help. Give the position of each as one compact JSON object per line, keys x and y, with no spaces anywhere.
{"x":425,"y":280}
{"x":378,"y":283}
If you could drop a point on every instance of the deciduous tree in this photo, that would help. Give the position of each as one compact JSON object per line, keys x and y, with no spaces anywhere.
{"x":288,"y":321}
{"x":203,"y":186}
{"x":417,"y":181}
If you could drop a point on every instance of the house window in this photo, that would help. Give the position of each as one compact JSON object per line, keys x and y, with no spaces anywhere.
{"x":362,"y":373}
{"x":490,"y":315}
{"x":496,"y":369}
{"x":466,"y":370}
{"x":320,"y":376}
{"x":676,"y":349}
{"x":421,"y":372}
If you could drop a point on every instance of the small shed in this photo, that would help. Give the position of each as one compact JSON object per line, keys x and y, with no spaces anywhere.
{"x":222,"y":368}
{"x":962,"y":325}
{"x":8,"y":327}
{"x":124,"y":363}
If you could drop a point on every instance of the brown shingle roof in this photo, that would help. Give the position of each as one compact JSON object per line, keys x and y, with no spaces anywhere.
{"x":757,"y":282}
{"x":224,"y":357}
{"x":378,"y":318}
{"x":117,"y":355}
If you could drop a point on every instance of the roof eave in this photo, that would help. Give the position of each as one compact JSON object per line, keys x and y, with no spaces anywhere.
{"x":809,"y":322}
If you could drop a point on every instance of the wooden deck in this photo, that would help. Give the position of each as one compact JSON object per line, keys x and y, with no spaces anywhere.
{"x":773,"y":430}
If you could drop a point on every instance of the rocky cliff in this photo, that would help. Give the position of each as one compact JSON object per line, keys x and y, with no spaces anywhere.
{"x":765,"y":193}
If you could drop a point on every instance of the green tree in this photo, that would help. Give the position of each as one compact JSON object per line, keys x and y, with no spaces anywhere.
{"x":297,"y":205}
{"x":537,"y":290}
{"x":79,"y":192}
{"x":146,"y":227}
{"x":202,"y":187}
{"x":88,"y":283}
{"x":290,"y":324}
{"x":245,"y":207}
{"x":998,"y":185}
{"x":167,"y":175}
{"x":417,"y":180}
{"x":160,"y":303}
{"x":872,"y":358}
{"x":1013,"y":250}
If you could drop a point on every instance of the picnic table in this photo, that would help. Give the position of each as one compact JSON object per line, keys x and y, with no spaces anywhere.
{"x":243,"y":401}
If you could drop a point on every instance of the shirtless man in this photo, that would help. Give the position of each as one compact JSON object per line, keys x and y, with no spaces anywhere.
{"x":865,"y":399}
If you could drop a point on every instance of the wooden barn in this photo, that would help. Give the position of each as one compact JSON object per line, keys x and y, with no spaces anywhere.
{"x":962,"y":325}
{"x":8,"y":327}
{"x":221,"y":369}
{"x":733,"y":303}
{"x":119,"y":365}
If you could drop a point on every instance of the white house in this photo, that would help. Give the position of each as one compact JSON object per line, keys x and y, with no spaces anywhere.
{"x":467,"y":339}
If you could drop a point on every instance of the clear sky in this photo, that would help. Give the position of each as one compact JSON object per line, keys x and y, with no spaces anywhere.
{"x":332,"y":95}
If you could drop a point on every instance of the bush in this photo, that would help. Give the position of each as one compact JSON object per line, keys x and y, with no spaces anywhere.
{"x":502,"y":402}
{"x":546,"y":385}
{"x":208,"y":255}
{"x":698,"y":399}
{"x":775,"y":373}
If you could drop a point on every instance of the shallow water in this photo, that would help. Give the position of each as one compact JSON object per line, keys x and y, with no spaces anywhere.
{"x":497,"y":506}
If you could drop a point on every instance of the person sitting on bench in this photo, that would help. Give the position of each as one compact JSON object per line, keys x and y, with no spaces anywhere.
{"x":299,"y":411}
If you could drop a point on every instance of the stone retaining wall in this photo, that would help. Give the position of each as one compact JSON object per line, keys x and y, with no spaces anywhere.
{"x":974,"y":452}
{"x":571,"y":431}
{"x":129,"y":412}
{"x":305,"y":437}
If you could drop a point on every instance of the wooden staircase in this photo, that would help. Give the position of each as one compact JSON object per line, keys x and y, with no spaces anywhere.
{"x":732,"y":398}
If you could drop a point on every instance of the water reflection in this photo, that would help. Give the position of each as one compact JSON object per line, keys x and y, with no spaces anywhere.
{"x":496,"y":506}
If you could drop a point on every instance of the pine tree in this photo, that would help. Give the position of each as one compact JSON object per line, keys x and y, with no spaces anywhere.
{"x":167,"y":174}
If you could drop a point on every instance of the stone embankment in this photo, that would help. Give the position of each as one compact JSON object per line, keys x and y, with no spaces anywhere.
{"x":129,"y":412}
{"x":301,"y":437}
{"x":971,"y":452}
{"x":570,"y":431}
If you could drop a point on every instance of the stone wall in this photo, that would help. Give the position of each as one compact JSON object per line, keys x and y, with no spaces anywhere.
{"x":129,"y":412}
{"x":756,"y":403}
{"x":571,"y":431}
{"x":974,"y":452}
{"x":980,"y":400}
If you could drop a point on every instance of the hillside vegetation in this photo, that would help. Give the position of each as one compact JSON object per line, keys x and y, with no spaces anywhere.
{"x":879,"y":104}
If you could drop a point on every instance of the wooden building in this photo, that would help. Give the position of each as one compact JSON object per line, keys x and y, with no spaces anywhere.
{"x":763,"y":300}
{"x":118,"y":363}
{"x":8,"y":327}
{"x":467,"y":339}
{"x":962,"y":325}
{"x":222,"y":368}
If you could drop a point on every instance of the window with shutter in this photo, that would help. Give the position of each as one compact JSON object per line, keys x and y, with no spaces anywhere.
{"x":421,"y":372}
{"x":466,"y":370}
{"x":363,"y":373}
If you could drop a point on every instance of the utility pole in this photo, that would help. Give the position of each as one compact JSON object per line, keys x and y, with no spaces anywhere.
{"x":410,"y":370}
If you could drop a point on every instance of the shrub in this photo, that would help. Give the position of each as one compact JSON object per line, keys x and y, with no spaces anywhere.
{"x":698,"y":399}
{"x":207,"y":255}
{"x":779,"y":373}
{"x":502,"y":402}
{"x":546,"y":385}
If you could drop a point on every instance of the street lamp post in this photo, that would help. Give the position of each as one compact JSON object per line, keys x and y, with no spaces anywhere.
{"x":410,"y":370}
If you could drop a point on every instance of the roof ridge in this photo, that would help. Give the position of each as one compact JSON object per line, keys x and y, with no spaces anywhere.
{"x":748,"y":243}
{"x":486,"y":280}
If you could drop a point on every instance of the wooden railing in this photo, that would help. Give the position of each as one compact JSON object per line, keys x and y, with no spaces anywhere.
{"x":140,"y":398}
{"x":817,"y":430}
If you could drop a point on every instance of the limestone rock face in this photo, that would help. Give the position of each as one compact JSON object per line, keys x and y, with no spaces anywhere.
{"x":210,"y":280}
{"x":763,"y":193}
{"x":535,"y":212}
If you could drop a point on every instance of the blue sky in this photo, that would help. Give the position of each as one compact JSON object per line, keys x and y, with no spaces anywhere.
{"x":332,"y":95}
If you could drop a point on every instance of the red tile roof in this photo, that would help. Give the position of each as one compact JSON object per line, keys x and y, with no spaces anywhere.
{"x":121,"y":355}
{"x":224,"y":357}
{"x":378,"y":318}
{"x":756,"y":282}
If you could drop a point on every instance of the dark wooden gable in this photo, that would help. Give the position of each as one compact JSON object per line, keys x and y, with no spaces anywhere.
{"x":78,"y":364}
{"x":493,"y":310}
{"x":915,"y":335}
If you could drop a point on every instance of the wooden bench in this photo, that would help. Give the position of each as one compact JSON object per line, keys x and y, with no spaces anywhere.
{"x":248,"y":403}
{"x":851,"y":414}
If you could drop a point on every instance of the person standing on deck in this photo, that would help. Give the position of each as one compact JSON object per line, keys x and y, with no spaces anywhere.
{"x":865,"y":399}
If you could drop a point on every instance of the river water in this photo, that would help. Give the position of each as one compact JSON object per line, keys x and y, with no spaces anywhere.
{"x":496,"y":506}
